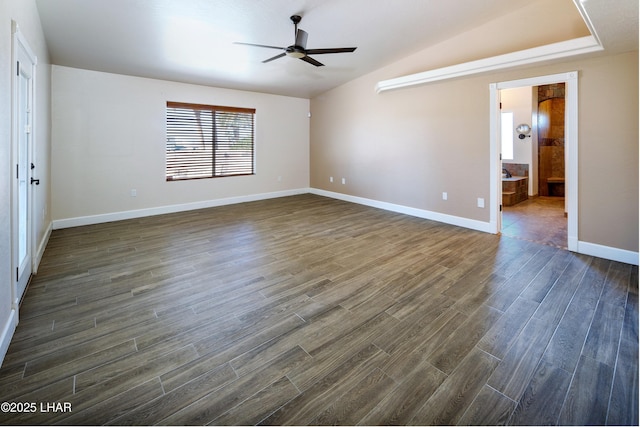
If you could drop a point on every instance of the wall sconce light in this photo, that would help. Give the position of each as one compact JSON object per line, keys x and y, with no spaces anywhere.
{"x":523,"y":131}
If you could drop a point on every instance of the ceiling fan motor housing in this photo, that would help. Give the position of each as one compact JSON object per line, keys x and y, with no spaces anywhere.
{"x":295,"y":52}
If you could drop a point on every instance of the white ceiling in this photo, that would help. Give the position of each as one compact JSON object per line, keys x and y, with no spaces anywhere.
{"x":193,"y":40}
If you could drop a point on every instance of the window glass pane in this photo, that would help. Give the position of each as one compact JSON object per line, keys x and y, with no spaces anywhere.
{"x":507,"y":135}
{"x":208,"y":141}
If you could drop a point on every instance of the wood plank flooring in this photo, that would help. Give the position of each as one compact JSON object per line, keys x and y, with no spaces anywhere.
{"x":310,"y":311}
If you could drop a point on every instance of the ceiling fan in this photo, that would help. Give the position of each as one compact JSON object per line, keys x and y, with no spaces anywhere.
{"x":299,"y":48}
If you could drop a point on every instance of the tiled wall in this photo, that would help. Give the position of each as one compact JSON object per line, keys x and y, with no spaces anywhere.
{"x":555,"y":90}
{"x":551,"y":139}
{"x":517,"y":169}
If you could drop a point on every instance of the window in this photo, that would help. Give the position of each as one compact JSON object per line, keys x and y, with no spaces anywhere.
{"x":207,"y":141}
{"x":507,"y":135}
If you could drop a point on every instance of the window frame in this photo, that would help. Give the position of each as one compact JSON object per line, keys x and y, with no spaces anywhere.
{"x":178,"y":124}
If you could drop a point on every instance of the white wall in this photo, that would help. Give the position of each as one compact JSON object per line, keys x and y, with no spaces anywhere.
{"x":25,"y":14}
{"x":109,"y":137}
{"x":519,"y":101}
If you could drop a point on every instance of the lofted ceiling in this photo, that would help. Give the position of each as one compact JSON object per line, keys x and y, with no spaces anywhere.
{"x":193,"y":40}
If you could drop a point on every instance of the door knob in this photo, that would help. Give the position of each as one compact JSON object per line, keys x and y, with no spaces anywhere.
{"x":35,"y":181}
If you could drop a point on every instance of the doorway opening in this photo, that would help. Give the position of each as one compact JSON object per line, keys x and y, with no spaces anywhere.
{"x":533,"y":144}
{"x":533,"y":163}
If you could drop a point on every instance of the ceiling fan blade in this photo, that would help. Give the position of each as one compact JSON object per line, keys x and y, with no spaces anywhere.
{"x":260,"y":45}
{"x":312,"y":61}
{"x":272,"y":58}
{"x":334,"y":50}
{"x":301,"y":38}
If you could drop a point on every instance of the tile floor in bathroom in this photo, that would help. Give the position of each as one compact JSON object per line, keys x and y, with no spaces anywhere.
{"x":538,"y":219}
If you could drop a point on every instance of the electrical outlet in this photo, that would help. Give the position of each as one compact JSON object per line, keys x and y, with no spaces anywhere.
{"x":480,"y":202}
{"x":444,"y":195}
{"x":330,"y":179}
{"x":134,"y":192}
{"x":344,"y":181}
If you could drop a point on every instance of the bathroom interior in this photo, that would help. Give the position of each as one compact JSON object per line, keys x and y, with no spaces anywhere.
{"x":533,"y":164}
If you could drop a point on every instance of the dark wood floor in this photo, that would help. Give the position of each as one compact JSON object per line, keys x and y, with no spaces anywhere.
{"x":306,"y":310}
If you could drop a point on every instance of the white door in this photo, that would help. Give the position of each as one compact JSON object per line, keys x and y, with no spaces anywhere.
{"x":23,"y":154}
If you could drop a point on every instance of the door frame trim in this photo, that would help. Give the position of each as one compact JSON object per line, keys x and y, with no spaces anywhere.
{"x":570,"y":79}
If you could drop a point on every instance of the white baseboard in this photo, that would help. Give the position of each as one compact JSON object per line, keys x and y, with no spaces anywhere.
{"x":486,"y":227}
{"x":41,"y":247}
{"x":12,"y":322}
{"x":615,"y":254}
{"x":607,"y":252}
{"x":118,"y":216}
{"x":7,"y":333}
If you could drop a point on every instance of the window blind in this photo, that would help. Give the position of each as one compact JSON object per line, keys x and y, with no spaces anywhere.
{"x":207,"y":141}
